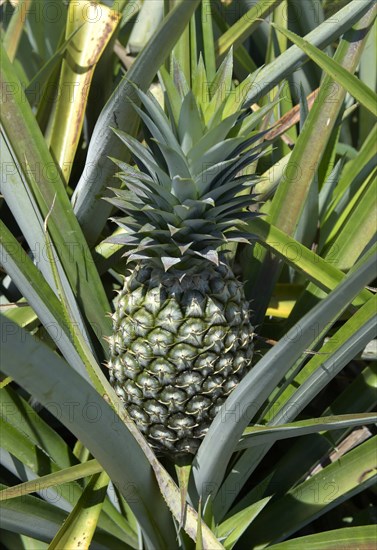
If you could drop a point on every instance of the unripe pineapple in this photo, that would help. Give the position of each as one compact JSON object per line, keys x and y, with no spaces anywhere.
{"x":182,"y":338}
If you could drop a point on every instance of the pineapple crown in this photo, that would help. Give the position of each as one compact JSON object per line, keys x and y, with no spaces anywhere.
{"x":186,"y":198}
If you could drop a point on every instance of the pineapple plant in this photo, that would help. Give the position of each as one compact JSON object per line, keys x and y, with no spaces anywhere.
{"x":182,"y":336}
{"x":301,"y":456}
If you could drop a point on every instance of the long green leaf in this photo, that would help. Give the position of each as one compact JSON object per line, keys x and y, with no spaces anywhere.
{"x":352,"y":182}
{"x":182,"y":53}
{"x":31,"y":156}
{"x":83,"y":53}
{"x":273,"y":73}
{"x":26,"y":461}
{"x":349,"y":82}
{"x":214,"y":453}
{"x":349,"y":340}
{"x":28,"y":437}
{"x":348,"y":538}
{"x":128,"y":466}
{"x":259,"y":435}
{"x":79,"y":527}
{"x":42,"y":77}
{"x":109,"y":431}
{"x":244,"y":26}
{"x":208,"y":42}
{"x":31,"y":516}
{"x":322,"y":273}
{"x":13,"y":34}
{"x":350,"y":176}
{"x":233,"y":527}
{"x":35,"y":289}
{"x":22,"y":314}
{"x":23,"y":205}
{"x":23,"y":418}
{"x":337,"y":482}
{"x":368,"y":74}
{"x":36,"y":518}
{"x":72,"y":473}
{"x":355,"y":228}
{"x":296,"y":191}
{"x":303,"y":454}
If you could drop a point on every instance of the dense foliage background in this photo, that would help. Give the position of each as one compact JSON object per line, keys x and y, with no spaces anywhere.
{"x":290,"y":459}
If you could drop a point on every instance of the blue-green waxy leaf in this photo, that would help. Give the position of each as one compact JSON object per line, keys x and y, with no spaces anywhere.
{"x":190,"y":125}
{"x":221,"y":86}
{"x":177,"y":164}
{"x":128,"y":174}
{"x":200,"y":85}
{"x":41,"y":193}
{"x":217,"y":134}
{"x":41,"y":297}
{"x":325,"y":195}
{"x":172,"y":98}
{"x":179,"y":77}
{"x":157,"y":119}
{"x":183,"y":188}
{"x":145,"y":156}
{"x":219,"y":152}
{"x":259,"y":435}
{"x":204,"y":180}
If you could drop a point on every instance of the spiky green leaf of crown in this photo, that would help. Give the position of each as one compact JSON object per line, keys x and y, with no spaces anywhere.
{"x":187,"y":197}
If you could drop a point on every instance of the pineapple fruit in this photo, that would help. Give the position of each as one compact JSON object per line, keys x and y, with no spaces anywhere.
{"x":182,"y":338}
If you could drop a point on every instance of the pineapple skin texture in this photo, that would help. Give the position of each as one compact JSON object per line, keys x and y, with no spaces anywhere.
{"x":180,"y":345}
